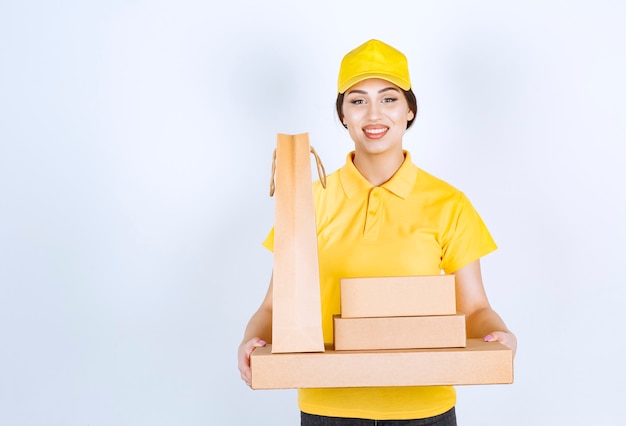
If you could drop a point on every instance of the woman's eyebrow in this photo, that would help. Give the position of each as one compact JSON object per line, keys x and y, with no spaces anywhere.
{"x":388,"y":88}
{"x":361,"y":92}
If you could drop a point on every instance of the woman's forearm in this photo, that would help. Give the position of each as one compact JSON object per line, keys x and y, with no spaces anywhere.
{"x":483,"y":322}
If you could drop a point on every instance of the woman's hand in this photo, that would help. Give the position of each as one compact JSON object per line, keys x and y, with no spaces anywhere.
{"x":508,"y":339}
{"x":243,"y":356}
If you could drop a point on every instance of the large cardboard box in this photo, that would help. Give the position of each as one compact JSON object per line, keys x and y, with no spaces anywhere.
{"x":443,"y":331}
{"x":478,"y":363}
{"x":398,"y":296}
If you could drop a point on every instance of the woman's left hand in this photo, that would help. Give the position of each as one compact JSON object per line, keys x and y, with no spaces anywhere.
{"x":507,"y":338}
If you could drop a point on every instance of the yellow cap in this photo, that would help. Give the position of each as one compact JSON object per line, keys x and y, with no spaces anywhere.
{"x":374,"y":59}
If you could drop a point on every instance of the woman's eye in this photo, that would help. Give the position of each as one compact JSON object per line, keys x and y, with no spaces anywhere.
{"x":357,"y":101}
{"x":389,"y":99}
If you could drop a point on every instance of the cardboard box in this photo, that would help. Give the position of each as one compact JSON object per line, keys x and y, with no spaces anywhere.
{"x":398,"y":296}
{"x":444,"y":331}
{"x":478,"y":363}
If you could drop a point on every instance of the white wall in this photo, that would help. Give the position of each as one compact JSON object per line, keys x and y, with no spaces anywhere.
{"x":135,"y":149}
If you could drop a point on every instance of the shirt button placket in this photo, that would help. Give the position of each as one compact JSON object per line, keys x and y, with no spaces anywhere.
{"x":372,"y":221}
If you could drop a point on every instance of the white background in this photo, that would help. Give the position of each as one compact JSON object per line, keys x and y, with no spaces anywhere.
{"x":135,"y":151}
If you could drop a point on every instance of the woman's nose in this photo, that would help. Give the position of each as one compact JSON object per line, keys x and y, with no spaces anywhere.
{"x":373,"y":111}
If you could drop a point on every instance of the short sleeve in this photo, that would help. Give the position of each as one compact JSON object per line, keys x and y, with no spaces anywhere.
{"x":268,"y":243}
{"x":466,"y":238}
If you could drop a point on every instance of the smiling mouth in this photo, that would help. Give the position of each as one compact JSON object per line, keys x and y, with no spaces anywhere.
{"x":376,"y":133}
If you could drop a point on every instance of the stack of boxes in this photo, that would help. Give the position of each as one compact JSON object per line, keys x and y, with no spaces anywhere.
{"x":417,"y":312}
{"x":396,"y":331}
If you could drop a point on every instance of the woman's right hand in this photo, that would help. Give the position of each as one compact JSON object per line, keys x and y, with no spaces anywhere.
{"x":243,"y":355}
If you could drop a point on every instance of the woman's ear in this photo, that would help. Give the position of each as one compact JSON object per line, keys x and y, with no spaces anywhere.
{"x":410,"y":115}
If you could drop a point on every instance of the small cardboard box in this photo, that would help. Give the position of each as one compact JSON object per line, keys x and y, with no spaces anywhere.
{"x":443,"y":331}
{"x":398,"y":296}
{"x":478,"y":363}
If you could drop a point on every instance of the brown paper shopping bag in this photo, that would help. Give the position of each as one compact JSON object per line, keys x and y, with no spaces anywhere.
{"x":297,"y":317}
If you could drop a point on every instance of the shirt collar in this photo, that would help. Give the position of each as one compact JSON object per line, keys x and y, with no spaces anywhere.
{"x":400,"y":184}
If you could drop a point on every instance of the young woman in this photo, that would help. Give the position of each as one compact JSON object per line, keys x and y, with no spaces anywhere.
{"x":380,"y":215}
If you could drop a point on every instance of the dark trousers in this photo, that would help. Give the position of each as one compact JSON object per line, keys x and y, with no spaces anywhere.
{"x":446,"y":419}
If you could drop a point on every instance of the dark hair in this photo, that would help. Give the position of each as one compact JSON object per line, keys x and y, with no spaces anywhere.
{"x":408,"y":94}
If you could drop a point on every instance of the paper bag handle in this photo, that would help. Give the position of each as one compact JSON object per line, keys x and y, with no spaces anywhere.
{"x":321,"y":172}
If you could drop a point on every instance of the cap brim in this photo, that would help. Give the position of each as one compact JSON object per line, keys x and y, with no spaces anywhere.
{"x":401,"y":83}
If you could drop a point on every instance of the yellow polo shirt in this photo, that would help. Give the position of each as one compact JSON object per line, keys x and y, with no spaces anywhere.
{"x":414,"y":224}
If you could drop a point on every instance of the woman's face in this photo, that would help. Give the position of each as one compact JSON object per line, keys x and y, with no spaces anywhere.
{"x":376,"y":113}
